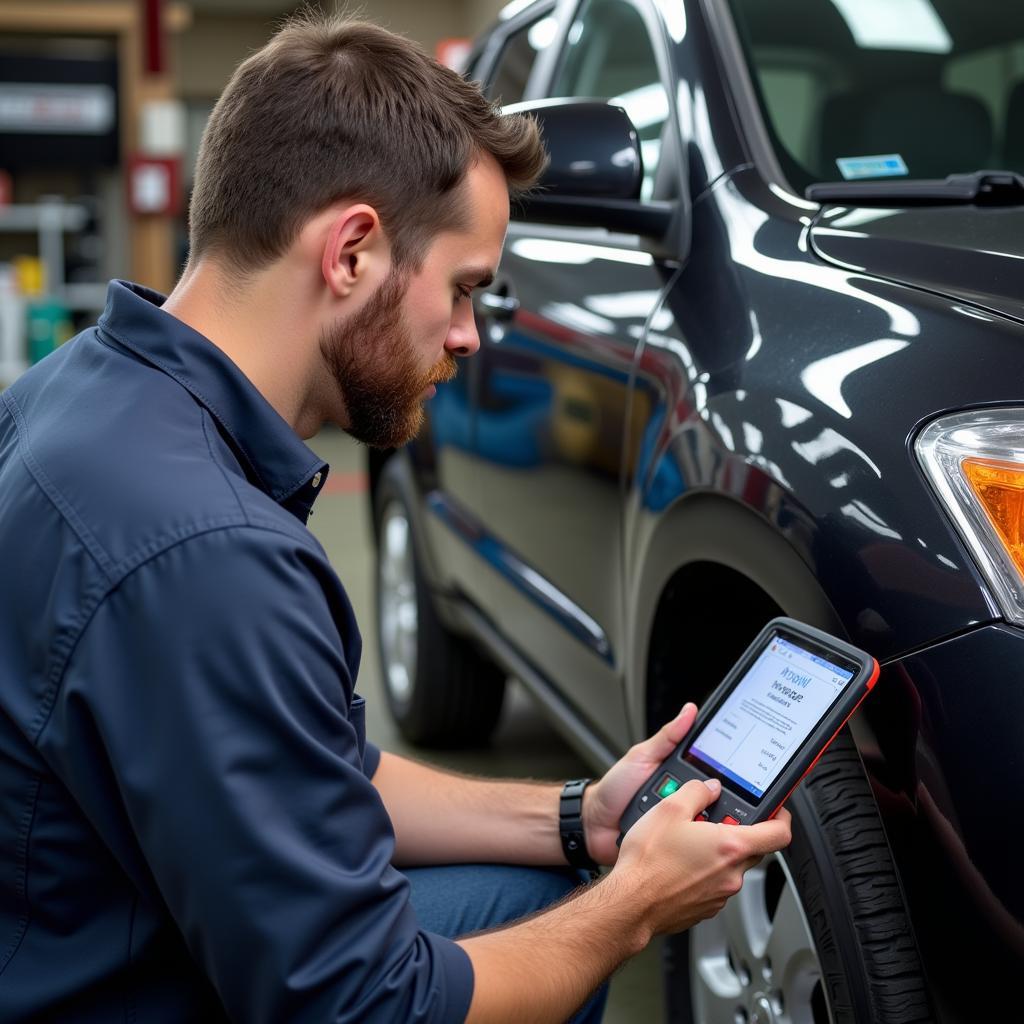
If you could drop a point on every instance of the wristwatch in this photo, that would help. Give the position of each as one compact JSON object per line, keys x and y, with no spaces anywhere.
{"x":570,"y":825}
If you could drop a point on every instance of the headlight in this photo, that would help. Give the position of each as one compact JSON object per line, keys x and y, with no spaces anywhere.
{"x":975,"y":461}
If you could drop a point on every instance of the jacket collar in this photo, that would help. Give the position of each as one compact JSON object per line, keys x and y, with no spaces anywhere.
{"x":273,"y":455}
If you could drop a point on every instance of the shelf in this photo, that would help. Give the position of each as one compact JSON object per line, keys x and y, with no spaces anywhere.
{"x":43,"y":217}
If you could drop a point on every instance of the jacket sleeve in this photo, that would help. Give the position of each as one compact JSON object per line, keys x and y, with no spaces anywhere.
{"x":208,"y":710}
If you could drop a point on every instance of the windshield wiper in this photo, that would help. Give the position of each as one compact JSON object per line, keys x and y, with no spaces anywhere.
{"x":982,"y":188}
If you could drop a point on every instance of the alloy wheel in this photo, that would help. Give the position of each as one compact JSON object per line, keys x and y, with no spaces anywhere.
{"x":755,"y":962}
{"x":399,"y":618}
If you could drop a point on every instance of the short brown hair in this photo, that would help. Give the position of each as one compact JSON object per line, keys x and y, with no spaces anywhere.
{"x":332,"y":109}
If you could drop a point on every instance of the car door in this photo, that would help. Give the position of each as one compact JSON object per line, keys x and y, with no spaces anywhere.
{"x":447,"y":452}
{"x":560,"y":329}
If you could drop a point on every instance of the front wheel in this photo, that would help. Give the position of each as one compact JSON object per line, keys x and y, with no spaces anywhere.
{"x":441,"y":691}
{"x":819,"y":933}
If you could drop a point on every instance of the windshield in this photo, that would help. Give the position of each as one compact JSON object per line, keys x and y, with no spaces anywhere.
{"x":861,"y":90}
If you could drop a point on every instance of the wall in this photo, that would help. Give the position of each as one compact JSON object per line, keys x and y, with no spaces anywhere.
{"x":205,"y":54}
{"x":206,"y":40}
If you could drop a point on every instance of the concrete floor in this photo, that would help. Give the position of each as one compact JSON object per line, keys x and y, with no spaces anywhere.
{"x":524,"y":744}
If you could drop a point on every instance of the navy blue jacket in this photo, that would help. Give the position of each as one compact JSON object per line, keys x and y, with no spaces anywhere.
{"x":188,"y":830}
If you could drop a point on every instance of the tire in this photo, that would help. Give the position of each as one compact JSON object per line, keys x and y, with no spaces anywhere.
{"x":440,"y":690}
{"x":817,"y":934}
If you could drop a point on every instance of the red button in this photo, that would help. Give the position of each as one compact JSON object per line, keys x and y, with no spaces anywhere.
{"x":729,"y":820}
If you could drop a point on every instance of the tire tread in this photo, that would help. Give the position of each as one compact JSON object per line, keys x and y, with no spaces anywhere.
{"x":860,"y":858}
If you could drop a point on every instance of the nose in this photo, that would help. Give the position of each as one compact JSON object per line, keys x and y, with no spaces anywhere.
{"x":463,"y":338}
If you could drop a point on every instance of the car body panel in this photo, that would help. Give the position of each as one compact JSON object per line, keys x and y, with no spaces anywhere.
{"x":554,"y":397}
{"x":941,"y":742}
{"x":967,"y":252}
{"x":746,"y":394}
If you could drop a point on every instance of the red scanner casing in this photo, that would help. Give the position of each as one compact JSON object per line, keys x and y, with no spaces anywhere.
{"x":738,"y":804}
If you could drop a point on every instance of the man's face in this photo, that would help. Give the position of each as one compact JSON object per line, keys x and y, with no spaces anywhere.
{"x":386,"y":358}
{"x":373,"y":359}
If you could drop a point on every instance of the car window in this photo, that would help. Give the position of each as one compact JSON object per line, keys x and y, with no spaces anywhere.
{"x":609,"y":55}
{"x":995,"y":77}
{"x":515,"y":62}
{"x":853,"y":90}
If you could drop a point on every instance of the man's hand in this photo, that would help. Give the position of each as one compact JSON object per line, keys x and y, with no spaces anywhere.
{"x":605,"y":801}
{"x":673,"y":871}
{"x":689,"y":868}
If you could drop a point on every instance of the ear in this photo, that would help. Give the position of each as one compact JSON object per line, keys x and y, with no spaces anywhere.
{"x":354,"y":236}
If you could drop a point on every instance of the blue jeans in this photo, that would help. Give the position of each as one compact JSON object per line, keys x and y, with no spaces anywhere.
{"x":456,"y":899}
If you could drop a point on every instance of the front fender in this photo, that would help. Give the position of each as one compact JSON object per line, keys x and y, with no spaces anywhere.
{"x":699,"y":528}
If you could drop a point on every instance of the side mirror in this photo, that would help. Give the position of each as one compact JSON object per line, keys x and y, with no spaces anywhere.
{"x":595,"y":171}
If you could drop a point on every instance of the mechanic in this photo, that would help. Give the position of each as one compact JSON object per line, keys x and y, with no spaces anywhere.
{"x":192,"y":825}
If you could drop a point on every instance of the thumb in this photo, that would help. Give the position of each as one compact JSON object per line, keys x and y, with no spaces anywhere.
{"x":665,"y":740}
{"x":696,"y":795}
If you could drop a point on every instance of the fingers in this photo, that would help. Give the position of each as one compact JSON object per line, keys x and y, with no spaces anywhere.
{"x":781,"y":836}
{"x":769,"y":836}
{"x":663,"y":742}
{"x":695,"y":796}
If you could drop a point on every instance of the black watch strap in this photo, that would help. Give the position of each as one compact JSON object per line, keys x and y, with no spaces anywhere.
{"x":570,"y":825}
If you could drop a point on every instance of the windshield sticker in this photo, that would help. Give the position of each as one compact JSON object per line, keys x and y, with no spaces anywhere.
{"x":888,"y":165}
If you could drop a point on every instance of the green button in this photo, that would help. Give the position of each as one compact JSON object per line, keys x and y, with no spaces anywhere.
{"x":668,"y":786}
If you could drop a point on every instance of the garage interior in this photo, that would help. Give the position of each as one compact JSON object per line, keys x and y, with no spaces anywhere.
{"x":83,"y":203}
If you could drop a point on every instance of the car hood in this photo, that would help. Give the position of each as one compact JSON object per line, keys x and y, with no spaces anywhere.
{"x":975,"y":254}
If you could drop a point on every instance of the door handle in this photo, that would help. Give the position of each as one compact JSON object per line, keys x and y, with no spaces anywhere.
{"x":497,"y":305}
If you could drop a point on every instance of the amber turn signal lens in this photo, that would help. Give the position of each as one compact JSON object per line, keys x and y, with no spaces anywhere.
{"x":1000,"y":489}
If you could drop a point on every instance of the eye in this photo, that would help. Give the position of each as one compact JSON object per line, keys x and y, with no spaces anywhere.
{"x":462,"y":293}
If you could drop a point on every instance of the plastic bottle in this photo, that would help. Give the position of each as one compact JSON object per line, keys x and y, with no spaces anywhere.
{"x":48,"y":320}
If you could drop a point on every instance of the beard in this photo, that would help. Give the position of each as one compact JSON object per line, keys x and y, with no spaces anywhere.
{"x":372,"y":358}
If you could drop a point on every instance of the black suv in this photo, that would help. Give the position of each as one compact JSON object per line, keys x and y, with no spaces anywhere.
{"x":755,"y":348}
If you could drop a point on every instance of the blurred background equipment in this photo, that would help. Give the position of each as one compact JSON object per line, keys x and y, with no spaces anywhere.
{"x":102,"y":107}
